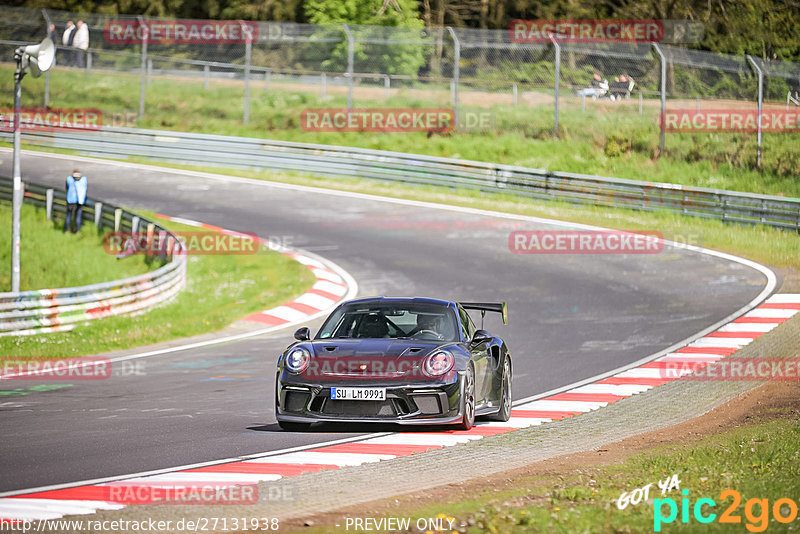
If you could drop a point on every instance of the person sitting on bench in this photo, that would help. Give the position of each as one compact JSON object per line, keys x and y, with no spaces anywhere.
{"x":621,"y":87}
{"x":597,"y":88}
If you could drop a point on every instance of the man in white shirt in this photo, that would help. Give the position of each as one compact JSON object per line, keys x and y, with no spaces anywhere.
{"x":67,"y":39}
{"x":81,"y":43}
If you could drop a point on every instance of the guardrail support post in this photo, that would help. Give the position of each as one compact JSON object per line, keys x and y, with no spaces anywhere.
{"x":117,"y":219}
{"x":143,"y":73}
{"x":135,"y":224}
{"x":662,"y":126}
{"x":456,"y":69}
{"x":98,"y":214}
{"x":248,"y":50}
{"x":351,"y":43}
{"x":557,"y":48}
{"x":760,"y":103}
{"x":49,"y":204}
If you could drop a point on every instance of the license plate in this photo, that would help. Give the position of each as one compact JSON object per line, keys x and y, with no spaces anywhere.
{"x":369,"y":394}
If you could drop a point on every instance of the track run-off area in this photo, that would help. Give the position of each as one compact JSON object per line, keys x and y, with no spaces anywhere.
{"x":585,"y":330}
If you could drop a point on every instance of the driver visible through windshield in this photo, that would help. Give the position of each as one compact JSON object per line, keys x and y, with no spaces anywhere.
{"x":391,"y":320}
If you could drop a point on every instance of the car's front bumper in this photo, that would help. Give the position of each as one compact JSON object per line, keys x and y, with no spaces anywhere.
{"x":422,"y":403}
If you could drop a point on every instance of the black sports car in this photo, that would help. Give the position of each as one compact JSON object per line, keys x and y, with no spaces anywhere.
{"x":396,"y":360}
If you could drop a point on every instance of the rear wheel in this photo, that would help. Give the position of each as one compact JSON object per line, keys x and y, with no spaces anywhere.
{"x":505,"y":394}
{"x":468,"y":401}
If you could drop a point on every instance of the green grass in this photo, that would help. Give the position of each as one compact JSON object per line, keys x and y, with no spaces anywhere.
{"x":50,"y":258}
{"x":219,"y":290}
{"x":759,"y":460}
{"x":605,"y":140}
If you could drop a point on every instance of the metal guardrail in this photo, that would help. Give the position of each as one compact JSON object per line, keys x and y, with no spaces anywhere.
{"x":243,"y":152}
{"x":54,"y":310}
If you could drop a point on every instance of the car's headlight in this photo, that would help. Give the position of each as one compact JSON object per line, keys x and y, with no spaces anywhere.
{"x":297,"y":360}
{"x":438,"y":363}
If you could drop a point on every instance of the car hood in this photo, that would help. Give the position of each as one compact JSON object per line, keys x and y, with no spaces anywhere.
{"x":368,"y":358}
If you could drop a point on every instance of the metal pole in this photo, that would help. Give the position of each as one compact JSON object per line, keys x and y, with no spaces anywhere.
{"x":323,"y":80}
{"x":16,"y":198}
{"x":387,"y":86}
{"x":663,"y":96}
{"x":143,"y":80}
{"x":206,"y":71}
{"x":88,"y":62}
{"x":456,"y":68}
{"x":558,"y":81}
{"x":267,"y":79}
{"x":149,"y":71}
{"x":514,"y":94}
{"x":759,"y":104}
{"x":640,"y":103}
{"x":46,"y":102}
{"x":248,"y":50}
{"x":350,"y":60}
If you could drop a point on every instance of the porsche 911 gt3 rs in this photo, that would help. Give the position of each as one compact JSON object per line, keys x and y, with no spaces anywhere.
{"x":414,"y":361}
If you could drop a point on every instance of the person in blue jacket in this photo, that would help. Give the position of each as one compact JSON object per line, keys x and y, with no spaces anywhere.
{"x":77,"y":186}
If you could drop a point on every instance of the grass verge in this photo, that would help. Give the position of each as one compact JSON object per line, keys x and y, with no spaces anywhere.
{"x":219,"y":290}
{"x":758,"y":460}
{"x":609,"y":139}
{"x":50,"y":258}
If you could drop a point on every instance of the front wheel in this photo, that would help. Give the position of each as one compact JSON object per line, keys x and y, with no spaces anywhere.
{"x":468,"y":401}
{"x":504,"y":414}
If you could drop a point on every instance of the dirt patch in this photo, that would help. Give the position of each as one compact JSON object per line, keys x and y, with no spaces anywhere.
{"x":772,"y":400}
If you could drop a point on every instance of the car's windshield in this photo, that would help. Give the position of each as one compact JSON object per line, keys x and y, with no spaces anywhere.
{"x":372,"y":320}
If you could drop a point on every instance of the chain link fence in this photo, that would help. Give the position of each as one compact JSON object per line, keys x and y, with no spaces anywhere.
{"x":458,"y":67}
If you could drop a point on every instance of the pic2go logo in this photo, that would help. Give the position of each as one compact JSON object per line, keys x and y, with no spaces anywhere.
{"x":756,"y":511}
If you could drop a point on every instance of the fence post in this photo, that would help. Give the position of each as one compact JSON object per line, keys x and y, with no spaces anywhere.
{"x":663,"y":96}
{"x":98,"y":214}
{"x":350,"y":59}
{"x":142,"y":81}
{"x":557,"y":48}
{"x":514,"y":94}
{"x":49,"y":204}
{"x":149,"y":71}
{"x":323,"y":80}
{"x":640,"y":102}
{"x":248,"y":50}
{"x":456,"y":69}
{"x":387,"y":86}
{"x":46,"y":101}
{"x":135,"y":224}
{"x":117,"y":219}
{"x":267,"y":79}
{"x":583,"y":102}
{"x":206,"y":72}
{"x":760,"y":102}
{"x":89,"y":62}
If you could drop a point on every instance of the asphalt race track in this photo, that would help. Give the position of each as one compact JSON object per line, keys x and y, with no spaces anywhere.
{"x":572,"y":317}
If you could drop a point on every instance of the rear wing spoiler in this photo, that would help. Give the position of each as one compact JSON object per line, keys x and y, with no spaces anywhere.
{"x":496,"y":307}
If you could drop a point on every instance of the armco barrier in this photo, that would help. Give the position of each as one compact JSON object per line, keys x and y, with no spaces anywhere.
{"x":54,"y":310}
{"x":242,"y":152}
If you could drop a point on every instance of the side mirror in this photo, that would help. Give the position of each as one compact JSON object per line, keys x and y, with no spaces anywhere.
{"x":302,"y":334}
{"x":480,"y":336}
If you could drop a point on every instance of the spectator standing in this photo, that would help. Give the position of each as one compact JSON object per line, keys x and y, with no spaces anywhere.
{"x":77,"y":187}
{"x":81,"y":43}
{"x":51,"y":34}
{"x":67,"y":38}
